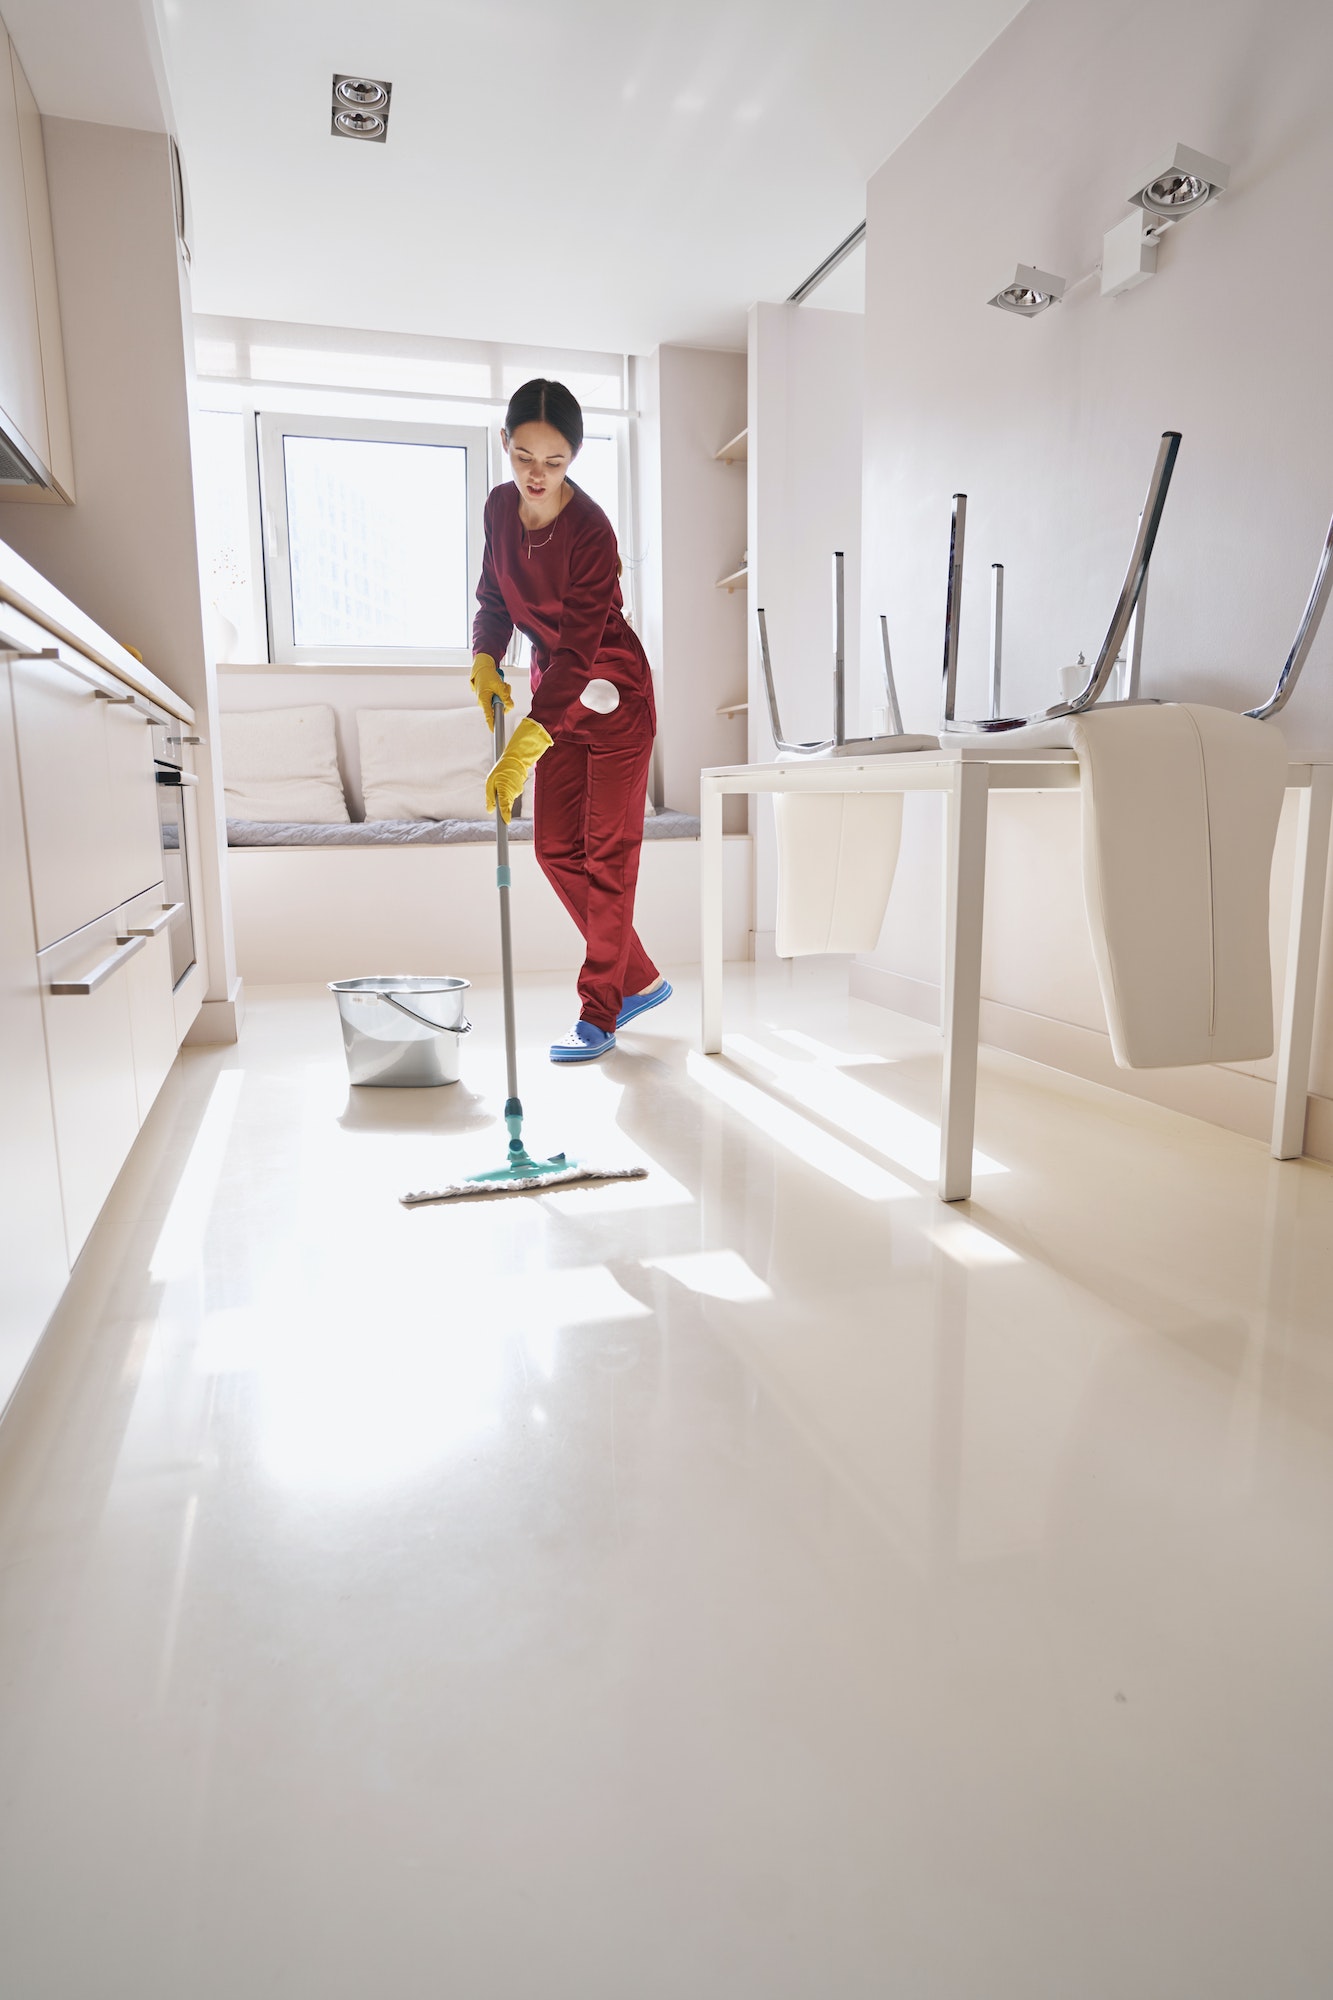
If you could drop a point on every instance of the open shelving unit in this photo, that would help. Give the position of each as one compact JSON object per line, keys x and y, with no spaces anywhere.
{"x":736,"y":581}
{"x":736,"y":450}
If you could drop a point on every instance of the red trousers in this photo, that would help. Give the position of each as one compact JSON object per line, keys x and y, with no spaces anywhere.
{"x":588,"y":830}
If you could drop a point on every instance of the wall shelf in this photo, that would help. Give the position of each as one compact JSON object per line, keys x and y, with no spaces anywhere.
{"x":736,"y":450}
{"x":735,"y":708}
{"x":736,"y":581}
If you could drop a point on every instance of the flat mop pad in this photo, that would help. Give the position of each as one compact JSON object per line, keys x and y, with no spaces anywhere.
{"x":533,"y":1179}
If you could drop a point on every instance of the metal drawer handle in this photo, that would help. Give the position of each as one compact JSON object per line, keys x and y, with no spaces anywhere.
{"x":177,"y":778}
{"x":113,"y":700}
{"x":158,"y":925}
{"x":194,"y":739}
{"x":125,"y":950}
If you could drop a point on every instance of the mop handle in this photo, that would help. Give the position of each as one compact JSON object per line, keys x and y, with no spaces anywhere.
{"x":506,"y":940}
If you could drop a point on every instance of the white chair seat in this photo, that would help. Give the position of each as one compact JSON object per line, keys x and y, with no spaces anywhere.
{"x":837,"y":855}
{"x":1180,"y":815}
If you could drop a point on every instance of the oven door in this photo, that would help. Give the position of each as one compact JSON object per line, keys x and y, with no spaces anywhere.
{"x":175,"y":868}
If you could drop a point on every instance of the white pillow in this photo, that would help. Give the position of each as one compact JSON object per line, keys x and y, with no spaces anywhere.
{"x":282,"y":763}
{"x":424,"y":763}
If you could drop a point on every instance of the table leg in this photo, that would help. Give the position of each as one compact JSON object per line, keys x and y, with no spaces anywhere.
{"x":1307,"y":914}
{"x":966,"y":806}
{"x":710,"y":914}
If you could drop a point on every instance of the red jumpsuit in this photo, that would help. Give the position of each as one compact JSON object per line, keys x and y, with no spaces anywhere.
{"x":561,"y":586}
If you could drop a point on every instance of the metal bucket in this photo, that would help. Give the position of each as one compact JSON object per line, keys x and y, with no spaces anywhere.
{"x":400,"y":1030}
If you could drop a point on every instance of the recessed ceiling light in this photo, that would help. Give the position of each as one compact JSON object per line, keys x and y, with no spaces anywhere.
{"x":363,"y":92}
{"x":361,"y":107}
{"x":1031,"y":292}
{"x":1188,"y":180}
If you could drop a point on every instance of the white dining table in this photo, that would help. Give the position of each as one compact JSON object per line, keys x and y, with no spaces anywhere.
{"x":965,"y":774}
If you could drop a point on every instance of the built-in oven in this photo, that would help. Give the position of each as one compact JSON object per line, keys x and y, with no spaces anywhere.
{"x":173,"y":780}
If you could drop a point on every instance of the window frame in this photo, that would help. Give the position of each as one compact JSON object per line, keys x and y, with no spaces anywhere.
{"x":272,"y":427}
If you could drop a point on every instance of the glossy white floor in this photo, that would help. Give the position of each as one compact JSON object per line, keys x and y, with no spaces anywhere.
{"x":756,"y":1581}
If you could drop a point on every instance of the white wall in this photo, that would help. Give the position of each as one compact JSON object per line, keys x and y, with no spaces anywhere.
{"x":805,"y":419}
{"x":125,"y":552}
{"x":691,"y":531}
{"x":1051,"y":425}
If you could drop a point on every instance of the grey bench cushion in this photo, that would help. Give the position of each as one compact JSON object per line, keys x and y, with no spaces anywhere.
{"x":418,"y":832}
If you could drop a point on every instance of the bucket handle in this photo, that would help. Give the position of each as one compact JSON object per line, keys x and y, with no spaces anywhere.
{"x":441,"y":1028}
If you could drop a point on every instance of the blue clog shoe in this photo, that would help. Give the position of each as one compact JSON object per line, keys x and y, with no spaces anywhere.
{"x":639,"y":1003}
{"x":583,"y":1043}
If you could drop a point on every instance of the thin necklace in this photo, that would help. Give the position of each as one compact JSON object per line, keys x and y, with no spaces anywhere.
{"x":530,"y":545}
{"x":528,"y":542}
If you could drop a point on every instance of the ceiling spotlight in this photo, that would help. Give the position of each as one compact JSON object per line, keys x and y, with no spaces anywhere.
{"x":1030,"y":293}
{"x":360,"y":107}
{"x":362,"y":91}
{"x":1181,"y":184}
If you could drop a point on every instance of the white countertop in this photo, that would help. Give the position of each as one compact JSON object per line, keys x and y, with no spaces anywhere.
{"x":29,"y":592}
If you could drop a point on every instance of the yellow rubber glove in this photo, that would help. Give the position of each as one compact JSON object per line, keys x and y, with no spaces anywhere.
{"x":509,"y":774}
{"x":487,"y":682}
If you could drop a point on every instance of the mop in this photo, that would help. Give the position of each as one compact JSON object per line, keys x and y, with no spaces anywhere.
{"x":521,"y":1174}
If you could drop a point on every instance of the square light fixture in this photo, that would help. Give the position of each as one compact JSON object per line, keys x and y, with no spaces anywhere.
{"x":361,"y":108}
{"x":1184,"y":182}
{"x":1030,"y":292}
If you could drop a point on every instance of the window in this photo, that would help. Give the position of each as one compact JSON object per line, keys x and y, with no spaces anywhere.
{"x":373,"y":539}
{"x":597,"y":471}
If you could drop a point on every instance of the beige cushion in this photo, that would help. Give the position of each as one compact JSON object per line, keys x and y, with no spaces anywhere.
{"x":424,"y":763}
{"x":1180,"y":814}
{"x":282,"y":764}
{"x":837,"y":855}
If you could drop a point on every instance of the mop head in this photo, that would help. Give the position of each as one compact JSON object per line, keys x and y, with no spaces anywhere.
{"x":526,"y":1176}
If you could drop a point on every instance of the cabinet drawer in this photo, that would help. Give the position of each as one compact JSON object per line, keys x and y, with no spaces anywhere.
{"x":90,"y":1051}
{"x":61,"y":727}
{"x":152,"y":1003}
{"x":89,"y":796}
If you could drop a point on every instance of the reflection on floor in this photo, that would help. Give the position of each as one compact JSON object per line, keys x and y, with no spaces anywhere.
{"x":757,"y":1580}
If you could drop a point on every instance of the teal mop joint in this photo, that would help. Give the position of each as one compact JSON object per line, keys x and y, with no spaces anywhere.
{"x":521,"y":1174}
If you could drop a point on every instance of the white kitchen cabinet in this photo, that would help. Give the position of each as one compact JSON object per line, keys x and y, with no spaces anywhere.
{"x":46,"y":298}
{"x":35,"y":1263}
{"x":90,"y":1053}
{"x":22,"y":390}
{"x":89,"y":801}
{"x":34,"y":407}
{"x":89,"y":1021}
{"x":152,"y":1003}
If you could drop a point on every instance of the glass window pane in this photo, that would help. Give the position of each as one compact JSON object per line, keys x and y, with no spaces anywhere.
{"x":597,"y":471}
{"x":377,"y":537}
{"x":601,"y":390}
{"x":419,"y":374}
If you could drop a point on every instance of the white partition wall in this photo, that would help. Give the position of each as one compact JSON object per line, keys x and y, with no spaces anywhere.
{"x":804,"y":502}
{"x":1050,"y":425}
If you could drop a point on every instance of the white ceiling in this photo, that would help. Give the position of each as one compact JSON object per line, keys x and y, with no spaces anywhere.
{"x":583,"y":173}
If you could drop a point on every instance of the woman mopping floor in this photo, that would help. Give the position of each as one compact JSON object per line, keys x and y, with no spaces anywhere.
{"x":551,"y":568}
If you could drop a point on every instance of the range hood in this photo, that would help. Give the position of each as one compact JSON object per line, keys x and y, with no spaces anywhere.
{"x":20,"y":466}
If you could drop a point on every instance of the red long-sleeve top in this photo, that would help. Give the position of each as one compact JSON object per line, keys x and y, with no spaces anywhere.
{"x":561,"y":587}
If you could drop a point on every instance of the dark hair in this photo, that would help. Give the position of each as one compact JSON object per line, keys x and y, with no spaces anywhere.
{"x":542,"y":402}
